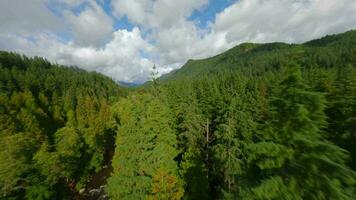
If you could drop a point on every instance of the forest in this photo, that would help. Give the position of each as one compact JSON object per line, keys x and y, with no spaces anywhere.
{"x":259,"y":121}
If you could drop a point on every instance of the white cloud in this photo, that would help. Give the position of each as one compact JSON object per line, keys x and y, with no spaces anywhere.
{"x":71,"y":3}
{"x":166,"y":13}
{"x":176,"y":39}
{"x":120,"y":58}
{"x":285,"y":20}
{"x":19,"y":17}
{"x":92,"y":26}
{"x":156,"y":13}
{"x":183,"y":41}
{"x":135,"y":10}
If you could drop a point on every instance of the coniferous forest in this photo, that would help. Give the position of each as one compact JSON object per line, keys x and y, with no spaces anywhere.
{"x":259,"y":121}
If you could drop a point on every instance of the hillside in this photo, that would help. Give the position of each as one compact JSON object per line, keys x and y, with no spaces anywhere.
{"x":326,"y":52}
{"x":54,"y":127}
{"x":259,"y":121}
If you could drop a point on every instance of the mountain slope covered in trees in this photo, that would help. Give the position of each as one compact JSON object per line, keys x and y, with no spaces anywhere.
{"x":260,"y":121}
{"x":328,"y":51}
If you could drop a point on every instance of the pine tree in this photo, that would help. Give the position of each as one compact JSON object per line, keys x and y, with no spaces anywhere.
{"x":156,"y":89}
{"x":192,"y":141}
{"x":144,"y":165}
{"x":342,"y":111}
{"x":227,"y":153}
{"x":294,"y":161}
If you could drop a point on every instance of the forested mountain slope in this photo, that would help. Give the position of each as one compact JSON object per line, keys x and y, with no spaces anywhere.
{"x":260,"y":121}
{"x":54,"y":127}
{"x":328,"y":51}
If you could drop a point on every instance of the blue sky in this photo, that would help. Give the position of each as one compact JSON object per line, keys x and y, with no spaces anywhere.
{"x":208,"y":12}
{"x":123,"y":39}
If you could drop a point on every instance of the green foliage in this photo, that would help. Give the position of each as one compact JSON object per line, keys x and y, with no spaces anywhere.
{"x":54,"y":126}
{"x":252,"y":124}
{"x":260,"y":121}
{"x":299,"y":161}
{"x":144,"y":165}
{"x":254,"y":59}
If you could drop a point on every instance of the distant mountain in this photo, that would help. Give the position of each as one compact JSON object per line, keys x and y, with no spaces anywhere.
{"x":128,"y":84}
{"x":323,"y":52}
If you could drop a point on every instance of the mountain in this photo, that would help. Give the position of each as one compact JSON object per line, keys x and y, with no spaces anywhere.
{"x":259,"y":121}
{"x":327,"y":51}
{"x":128,"y":84}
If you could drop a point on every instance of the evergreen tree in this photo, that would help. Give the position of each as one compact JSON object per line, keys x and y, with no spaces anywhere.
{"x":52,"y":127}
{"x":192,"y":142}
{"x":342,"y":111}
{"x":228,"y":152}
{"x":294,"y":161}
{"x":144,"y":165}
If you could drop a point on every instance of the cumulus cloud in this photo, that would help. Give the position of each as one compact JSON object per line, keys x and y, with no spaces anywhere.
{"x":15,"y":17}
{"x":71,"y":3}
{"x":92,"y":26}
{"x":156,"y":13}
{"x":184,"y":41}
{"x":285,"y":20}
{"x":176,"y":38}
{"x":163,"y":32}
{"x":120,"y":58}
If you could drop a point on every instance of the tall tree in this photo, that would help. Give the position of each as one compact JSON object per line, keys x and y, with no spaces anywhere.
{"x":342,"y":111}
{"x":144,"y":165}
{"x":294,"y":160}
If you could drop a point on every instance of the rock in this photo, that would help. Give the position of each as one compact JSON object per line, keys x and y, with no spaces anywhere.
{"x":94,"y":191}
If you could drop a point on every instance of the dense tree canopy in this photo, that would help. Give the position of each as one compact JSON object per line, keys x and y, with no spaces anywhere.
{"x":260,"y":121}
{"x":54,"y":126}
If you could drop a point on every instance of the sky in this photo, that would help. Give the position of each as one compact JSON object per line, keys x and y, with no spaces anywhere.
{"x":123,"y":39}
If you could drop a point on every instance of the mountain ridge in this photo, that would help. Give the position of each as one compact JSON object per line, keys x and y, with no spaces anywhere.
{"x":239,"y":55}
